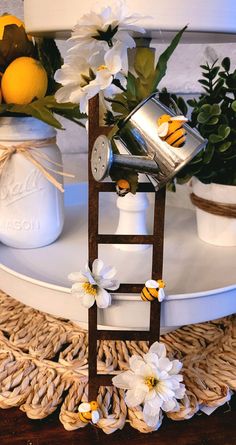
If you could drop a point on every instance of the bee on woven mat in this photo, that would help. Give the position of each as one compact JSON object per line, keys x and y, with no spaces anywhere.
{"x":88,"y":412}
{"x":170,"y":129}
{"x":153,"y":290}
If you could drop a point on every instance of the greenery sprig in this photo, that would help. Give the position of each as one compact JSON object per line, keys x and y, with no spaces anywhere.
{"x":214,"y":115}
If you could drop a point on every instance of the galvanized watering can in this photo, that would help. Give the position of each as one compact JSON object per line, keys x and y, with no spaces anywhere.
{"x":146,"y":151}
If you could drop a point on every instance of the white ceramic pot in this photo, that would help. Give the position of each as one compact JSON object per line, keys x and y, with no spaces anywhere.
{"x":132,"y":219}
{"x":31,"y":208}
{"x":215,"y":229}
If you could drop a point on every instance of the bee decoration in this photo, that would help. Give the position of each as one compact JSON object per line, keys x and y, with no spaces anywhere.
{"x":153,"y":290}
{"x":122,"y":187}
{"x":170,"y":129}
{"x":88,"y":412}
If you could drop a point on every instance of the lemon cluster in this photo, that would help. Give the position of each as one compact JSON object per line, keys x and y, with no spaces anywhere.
{"x":25,"y":78}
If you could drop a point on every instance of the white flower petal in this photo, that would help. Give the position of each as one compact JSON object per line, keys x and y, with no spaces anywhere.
{"x":170,"y":405}
{"x":176,"y":367}
{"x":136,"y":396}
{"x":108,"y":284}
{"x":159,"y":349}
{"x":108,"y":272}
{"x":124,"y":380}
{"x":64,"y":93}
{"x":88,"y":300}
{"x":103,"y":298}
{"x":135,"y":362}
{"x":165,"y":364}
{"x":180,"y":392}
{"x":153,"y":417}
{"x":76,"y":276}
{"x":97,"y":267}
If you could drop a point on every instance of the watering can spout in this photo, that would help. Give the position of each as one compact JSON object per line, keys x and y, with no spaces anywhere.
{"x":146,"y":150}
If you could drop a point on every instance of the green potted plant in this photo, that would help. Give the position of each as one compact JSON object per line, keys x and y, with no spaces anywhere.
{"x":213,"y":171}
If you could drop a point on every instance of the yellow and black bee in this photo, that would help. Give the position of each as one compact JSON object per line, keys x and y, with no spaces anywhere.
{"x":170,"y":129}
{"x":153,"y":290}
{"x":122,"y":187}
{"x":88,"y":412}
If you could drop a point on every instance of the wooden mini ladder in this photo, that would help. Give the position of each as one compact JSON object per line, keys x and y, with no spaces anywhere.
{"x":95,"y":238}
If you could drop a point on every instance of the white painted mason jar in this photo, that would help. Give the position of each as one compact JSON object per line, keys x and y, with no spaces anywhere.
{"x":31,"y":207}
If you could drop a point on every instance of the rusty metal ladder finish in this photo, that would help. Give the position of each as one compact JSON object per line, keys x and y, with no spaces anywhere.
{"x":94,"y":239}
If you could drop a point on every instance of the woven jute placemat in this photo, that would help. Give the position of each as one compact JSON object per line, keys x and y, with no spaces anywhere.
{"x":43,"y":366}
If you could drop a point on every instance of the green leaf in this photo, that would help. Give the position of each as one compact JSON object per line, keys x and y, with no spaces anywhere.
{"x":233,"y":105}
{"x":144,"y":62}
{"x":37,"y":110}
{"x":14,"y":44}
{"x":204,"y":82}
{"x":192,"y":103}
{"x":213,"y":121}
{"x":206,"y":108}
{"x":161,"y":66}
{"x":231,"y":82}
{"x":213,"y":73}
{"x":209,"y":152}
{"x":50,"y":58}
{"x":226,"y":63}
{"x":224,"y":147}
{"x":224,"y":131}
{"x":44,"y":109}
{"x":214,"y":138}
{"x":215,"y":110}
{"x":203,"y":117}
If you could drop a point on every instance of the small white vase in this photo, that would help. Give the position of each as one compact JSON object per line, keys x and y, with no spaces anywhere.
{"x":31,"y":208}
{"x":132,"y":219}
{"x":215,"y":229}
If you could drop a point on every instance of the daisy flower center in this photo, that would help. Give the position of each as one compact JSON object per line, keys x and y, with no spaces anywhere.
{"x":107,"y":35}
{"x":102,"y":67}
{"x":151,"y":382}
{"x":89,"y":289}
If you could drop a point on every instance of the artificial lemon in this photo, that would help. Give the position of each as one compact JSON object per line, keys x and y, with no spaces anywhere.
{"x":8,"y":19}
{"x":24,"y":80}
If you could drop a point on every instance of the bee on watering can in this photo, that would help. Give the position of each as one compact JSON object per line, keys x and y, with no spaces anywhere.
{"x":122,"y":187}
{"x":88,"y":412}
{"x":170,"y":129}
{"x":153,"y":290}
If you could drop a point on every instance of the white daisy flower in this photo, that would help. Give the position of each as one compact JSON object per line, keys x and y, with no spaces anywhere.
{"x":90,"y":286}
{"x":81,"y":81}
{"x":154,"y":381}
{"x":99,"y":32}
{"x":78,"y":82}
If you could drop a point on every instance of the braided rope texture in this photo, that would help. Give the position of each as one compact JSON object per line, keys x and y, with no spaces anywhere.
{"x":44,"y":360}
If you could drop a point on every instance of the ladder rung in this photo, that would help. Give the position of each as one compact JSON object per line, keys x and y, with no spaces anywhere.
{"x":111,"y":187}
{"x":130,"y":288}
{"x":102,"y":380}
{"x":126,"y":239}
{"x":103,"y":334}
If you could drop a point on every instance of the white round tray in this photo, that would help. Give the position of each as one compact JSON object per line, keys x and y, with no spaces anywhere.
{"x":200,"y":278}
{"x":208,"y":21}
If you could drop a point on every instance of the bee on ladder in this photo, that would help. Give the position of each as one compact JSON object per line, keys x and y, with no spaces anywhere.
{"x":153,"y":290}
